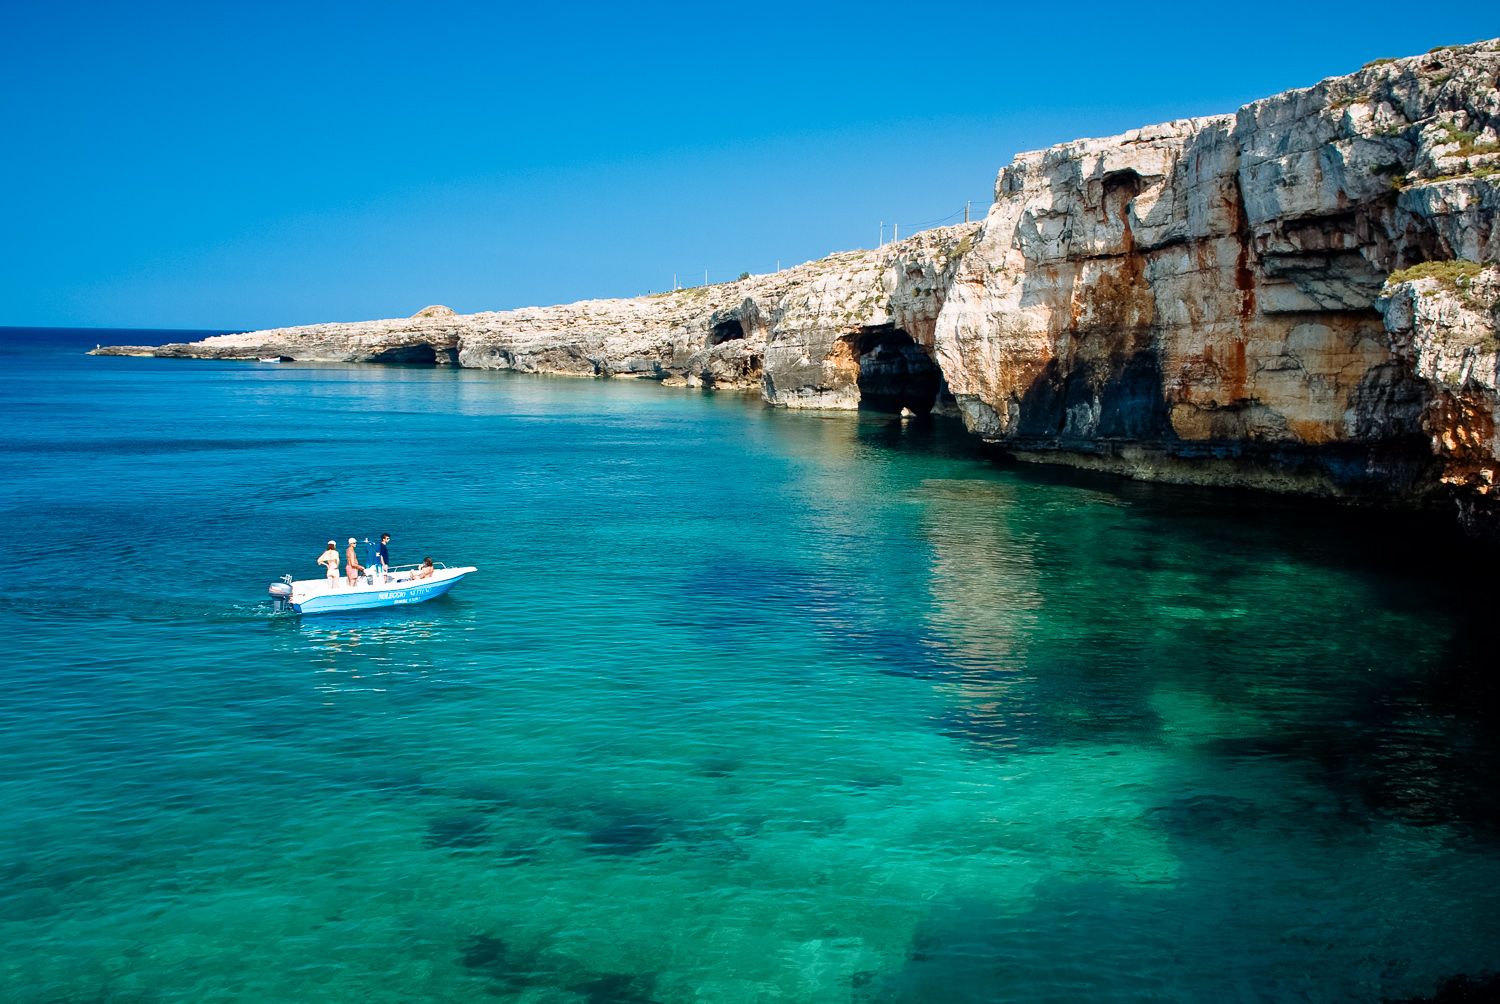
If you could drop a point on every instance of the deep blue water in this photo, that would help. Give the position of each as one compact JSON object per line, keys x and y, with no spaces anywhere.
{"x":743,"y":705}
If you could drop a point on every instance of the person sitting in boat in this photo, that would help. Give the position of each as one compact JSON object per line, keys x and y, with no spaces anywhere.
{"x":351,"y":559}
{"x":330,"y":560}
{"x":425,"y":571}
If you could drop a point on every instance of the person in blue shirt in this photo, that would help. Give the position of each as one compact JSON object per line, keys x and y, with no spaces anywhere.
{"x":383,"y":555}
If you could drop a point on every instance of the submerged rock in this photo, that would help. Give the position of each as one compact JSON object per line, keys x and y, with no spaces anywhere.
{"x":458,"y":831}
{"x":633,"y":834}
{"x":1460,"y":990}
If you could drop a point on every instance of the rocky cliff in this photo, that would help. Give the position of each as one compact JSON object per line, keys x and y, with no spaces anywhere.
{"x":1209,"y":300}
{"x":1291,"y":297}
{"x":848,"y":330}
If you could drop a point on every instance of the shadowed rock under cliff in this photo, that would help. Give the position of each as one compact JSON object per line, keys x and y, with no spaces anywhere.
{"x":1210,"y":301}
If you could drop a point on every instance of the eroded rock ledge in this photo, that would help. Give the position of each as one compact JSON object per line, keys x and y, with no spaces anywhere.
{"x":1247,"y":299}
{"x":848,"y":329}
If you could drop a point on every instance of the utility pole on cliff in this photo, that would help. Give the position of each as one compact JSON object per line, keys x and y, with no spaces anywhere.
{"x":882,"y":235}
{"x":674,"y":282}
{"x":705,"y":277}
{"x":966,"y":210}
{"x":895,"y":233}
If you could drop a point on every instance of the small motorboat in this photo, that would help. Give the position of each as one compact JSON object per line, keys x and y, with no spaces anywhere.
{"x":269,"y":359}
{"x":395,"y":587}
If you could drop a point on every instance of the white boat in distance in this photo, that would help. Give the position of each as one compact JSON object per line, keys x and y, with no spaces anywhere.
{"x":397,"y":587}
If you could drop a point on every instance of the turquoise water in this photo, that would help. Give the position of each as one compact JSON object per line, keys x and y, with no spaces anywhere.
{"x":743,"y":705}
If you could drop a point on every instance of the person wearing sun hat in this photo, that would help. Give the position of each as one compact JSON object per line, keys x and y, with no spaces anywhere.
{"x":330,"y":560}
{"x":351,"y":560}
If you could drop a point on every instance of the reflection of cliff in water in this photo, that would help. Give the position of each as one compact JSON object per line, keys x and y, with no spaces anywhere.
{"x":1267,"y":669}
{"x":985,"y":603}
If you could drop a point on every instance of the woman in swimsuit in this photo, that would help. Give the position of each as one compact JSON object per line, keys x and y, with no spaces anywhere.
{"x":330,"y":560}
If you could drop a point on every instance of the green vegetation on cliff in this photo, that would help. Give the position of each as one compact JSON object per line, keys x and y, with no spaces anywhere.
{"x":1451,"y":274}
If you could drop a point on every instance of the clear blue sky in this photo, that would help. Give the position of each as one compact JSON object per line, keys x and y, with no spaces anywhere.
{"x":258,"y":164}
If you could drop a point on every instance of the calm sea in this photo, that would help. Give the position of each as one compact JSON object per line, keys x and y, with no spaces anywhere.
{"x":743,"y":705}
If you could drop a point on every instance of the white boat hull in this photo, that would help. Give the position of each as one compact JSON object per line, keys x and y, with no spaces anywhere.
{"x":321,"y":596}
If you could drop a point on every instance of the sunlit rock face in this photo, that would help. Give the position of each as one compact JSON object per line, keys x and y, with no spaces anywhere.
{"x":1444,"y":332}
{"x":803,"y":336}
{"x":800,"y":336}
{"x":1199,"y":301}
{"x":421,"y":339}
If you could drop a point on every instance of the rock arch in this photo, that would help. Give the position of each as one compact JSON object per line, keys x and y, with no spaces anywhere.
{"x":895,"y":372}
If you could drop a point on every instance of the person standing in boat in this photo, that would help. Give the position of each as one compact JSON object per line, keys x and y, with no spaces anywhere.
{"x":383,"y":554}
{"x":351,"y":560}
{"x":330,"y":561}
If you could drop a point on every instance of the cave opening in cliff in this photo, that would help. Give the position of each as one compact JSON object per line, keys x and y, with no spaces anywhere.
{"x":726,"y":331}
{"x":422,"y":353}
{"x":894,"y":371}
{"x":1123,"y":185}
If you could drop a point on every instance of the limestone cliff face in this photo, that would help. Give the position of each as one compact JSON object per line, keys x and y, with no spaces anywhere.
{"x":1443,"y":331}
{"x":1201,"y":301}
{"x":807,"y":336}
{"x":431,"y":336}
{"x":1241,"y":299}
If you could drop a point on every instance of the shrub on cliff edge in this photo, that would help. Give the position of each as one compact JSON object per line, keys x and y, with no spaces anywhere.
{"x":1452,"y":274}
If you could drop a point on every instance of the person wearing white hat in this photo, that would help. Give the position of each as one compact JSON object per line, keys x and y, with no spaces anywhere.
{"x":330,"y":560}
{"x":351,"y":561}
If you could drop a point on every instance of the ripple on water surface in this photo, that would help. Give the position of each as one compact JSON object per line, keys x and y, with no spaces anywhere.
{"x":743,"y":705}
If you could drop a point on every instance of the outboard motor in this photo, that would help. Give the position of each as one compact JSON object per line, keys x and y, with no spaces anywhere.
{"x":281,"y":596}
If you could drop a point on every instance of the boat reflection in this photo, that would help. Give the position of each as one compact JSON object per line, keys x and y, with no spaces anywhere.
{"x":369,"y":650}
